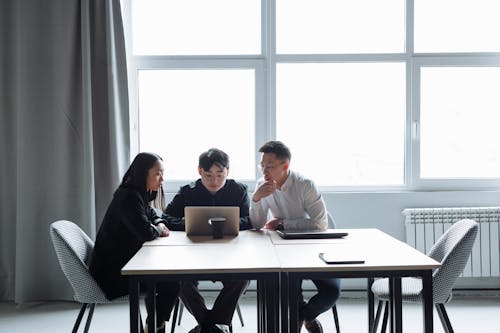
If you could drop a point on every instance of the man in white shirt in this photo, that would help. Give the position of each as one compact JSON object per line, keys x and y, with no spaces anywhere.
{"x":294,"y":203}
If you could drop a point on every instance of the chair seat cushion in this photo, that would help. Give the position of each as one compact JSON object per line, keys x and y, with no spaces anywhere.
{"x":411,"y":289}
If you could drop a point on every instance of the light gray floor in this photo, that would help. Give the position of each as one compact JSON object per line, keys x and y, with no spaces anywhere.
{"x":476,"y":315}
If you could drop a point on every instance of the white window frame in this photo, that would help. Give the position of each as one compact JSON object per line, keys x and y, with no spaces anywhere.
{"x":264,"y":65}
{"x":443,"y":60}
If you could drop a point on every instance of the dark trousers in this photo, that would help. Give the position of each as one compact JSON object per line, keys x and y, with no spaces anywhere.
{"x":223,"y":309}
{"x":166,"y":296}
{"x":328,"y":294}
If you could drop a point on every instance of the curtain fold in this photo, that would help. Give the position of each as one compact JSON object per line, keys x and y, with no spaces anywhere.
{"x":64,"y":127}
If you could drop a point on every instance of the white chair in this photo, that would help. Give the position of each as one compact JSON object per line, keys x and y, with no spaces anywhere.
{"x":74,"y":248}
{"x":452,"y":250}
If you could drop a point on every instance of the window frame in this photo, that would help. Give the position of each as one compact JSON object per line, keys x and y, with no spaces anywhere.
{"x":443,"y":60}
{"x":264,"y":65}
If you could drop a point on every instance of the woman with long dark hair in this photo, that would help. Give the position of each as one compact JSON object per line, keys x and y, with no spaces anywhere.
{"x":127,"y":224}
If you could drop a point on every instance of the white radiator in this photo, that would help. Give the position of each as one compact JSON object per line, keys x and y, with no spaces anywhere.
{"x":425,"y":225}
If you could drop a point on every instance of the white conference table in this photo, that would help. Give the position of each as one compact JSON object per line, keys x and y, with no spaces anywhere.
{"x":383,"y":255}
{"x":279,"y":265}
{"x":250,"y":256}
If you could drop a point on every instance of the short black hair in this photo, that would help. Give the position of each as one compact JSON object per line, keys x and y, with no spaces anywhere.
{"x":211,"y":157}
{"x":278,"y":148}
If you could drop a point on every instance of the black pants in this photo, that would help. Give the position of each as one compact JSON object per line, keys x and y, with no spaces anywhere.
{"x":166,"y":296}
{"x":224,"y":306}
{"x":328,"y":294}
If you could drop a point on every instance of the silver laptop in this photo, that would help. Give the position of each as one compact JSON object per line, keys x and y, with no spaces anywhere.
{"x":196,"y":219}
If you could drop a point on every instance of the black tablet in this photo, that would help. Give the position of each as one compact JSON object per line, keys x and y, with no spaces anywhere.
{"x":340,"y":259}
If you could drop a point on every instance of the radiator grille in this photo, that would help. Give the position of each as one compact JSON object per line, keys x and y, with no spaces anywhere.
{"x":425,"y":225}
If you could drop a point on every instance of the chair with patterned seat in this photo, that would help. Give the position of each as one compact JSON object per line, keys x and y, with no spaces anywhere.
{"x":452,"y":250}
{"x":73,"y":249}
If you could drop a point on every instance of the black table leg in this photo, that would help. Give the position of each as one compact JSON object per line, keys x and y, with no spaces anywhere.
{"x":135,"y":322}
{"x":371,"y":304}
{"x":293,"y":302}
{"x":260,"y":305}
{"x":284,"y":295}
{"x":271,"y":306}
{"x":152,"y":317}
{"x":427,"y":301}
{"x":398,"y":306}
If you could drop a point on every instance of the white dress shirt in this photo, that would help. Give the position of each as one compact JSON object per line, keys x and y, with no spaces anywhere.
{"x":298,"y":203}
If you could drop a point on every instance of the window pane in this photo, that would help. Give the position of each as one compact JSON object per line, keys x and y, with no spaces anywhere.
{"x":457,"y":26}
{"x":460,"y":118}
{"x":339,"y":26}
{"x":344,"y":122}
{"x":185,"y":112}
{"x":192,"y":27}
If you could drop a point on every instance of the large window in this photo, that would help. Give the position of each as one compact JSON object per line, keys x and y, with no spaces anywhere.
{"x":185,"y":112}
{"x":388,"y":94}
{"x":344,"y":140}
{"x":195,"y":27}
{"x":340,"y":26}
{"x":460,"y":118}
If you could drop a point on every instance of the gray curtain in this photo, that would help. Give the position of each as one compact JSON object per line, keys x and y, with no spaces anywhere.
{"x":64,"y":125}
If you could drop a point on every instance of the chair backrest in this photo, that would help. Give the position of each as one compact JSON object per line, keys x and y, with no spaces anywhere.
{"x":73,"y":249}
{"x":331,"y":221}
{"x":452,"y":250}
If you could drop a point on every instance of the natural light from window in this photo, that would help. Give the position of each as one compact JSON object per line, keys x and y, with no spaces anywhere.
{"x":460,"y":121}
{"x":344,"y":122}
{"x":341,"y":26}
{"x":193,"y":27}
{"x":186,"y":112}
{"x":457,"y":26}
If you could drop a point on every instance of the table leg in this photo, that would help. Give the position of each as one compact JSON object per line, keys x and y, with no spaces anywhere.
{"x":272,"y":308}
{"x":371,"y":304}
{"x":428,"y":301}
{"x":284,"y":295}
{"x":152,"y":319}
{"x":391,"y":303}
{"x":293,"y":302}
{"x":135,"y":322}
{"x":398,"y":306}
{"x":260,"y":305}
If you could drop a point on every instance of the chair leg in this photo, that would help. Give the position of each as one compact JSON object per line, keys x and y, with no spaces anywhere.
{"x":140,"y":320}
{"x":380,"y":305}
{"x":336,"y":318}
{"x":181,"y":309}
{"x":386,"y":317}
{"x":238,"y":310}
{"x":174,"y":315}
{"x":89,"y":317}
{"x":445,"y":320}
{"x":79,"y":318}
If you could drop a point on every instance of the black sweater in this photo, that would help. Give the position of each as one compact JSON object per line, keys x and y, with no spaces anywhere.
{"x":129,"y":222}
{"x":195,"y":194}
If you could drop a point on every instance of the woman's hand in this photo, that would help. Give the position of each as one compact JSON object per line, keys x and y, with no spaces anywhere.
{"x":164,"y":230}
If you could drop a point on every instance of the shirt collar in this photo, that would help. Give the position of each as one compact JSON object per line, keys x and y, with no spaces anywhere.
{"x":288,"y":182}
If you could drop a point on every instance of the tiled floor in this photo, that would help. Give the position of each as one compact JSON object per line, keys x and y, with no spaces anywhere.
{"x":468,"y":315}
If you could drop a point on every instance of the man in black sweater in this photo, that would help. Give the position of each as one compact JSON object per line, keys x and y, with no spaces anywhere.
{"x":212,"y":189}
